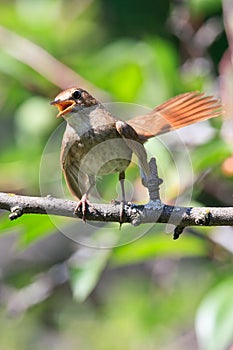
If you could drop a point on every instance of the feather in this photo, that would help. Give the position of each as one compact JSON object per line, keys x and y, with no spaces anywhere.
{"x":176,"y":113}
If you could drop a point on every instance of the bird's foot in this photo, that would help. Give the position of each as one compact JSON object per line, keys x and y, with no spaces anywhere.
{"x":82,"y":205}
{"x":122,"y":206}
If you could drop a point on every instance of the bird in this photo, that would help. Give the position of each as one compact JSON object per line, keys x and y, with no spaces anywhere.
{"x":95,"y":142}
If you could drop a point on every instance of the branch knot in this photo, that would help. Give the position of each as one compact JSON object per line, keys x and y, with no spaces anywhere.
{"x":16,"y":212}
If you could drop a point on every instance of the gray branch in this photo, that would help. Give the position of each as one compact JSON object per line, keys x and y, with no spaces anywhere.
{"x":134,"y":214}
{"x":153,"y":212}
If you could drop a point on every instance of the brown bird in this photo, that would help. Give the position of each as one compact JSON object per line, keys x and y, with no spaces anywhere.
{"x":97,"y":143}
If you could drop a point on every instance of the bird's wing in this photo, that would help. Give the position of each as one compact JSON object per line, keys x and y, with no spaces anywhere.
{"x":176,"y":113}
{"x":132,"y":140}
{"x":76,"y":181}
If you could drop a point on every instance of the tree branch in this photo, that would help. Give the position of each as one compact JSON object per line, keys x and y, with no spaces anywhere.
{"x":134,"y":214}
{"x":154,"y":211}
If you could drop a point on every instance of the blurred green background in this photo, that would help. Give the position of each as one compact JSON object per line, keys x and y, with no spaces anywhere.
{"x":154,"y":293}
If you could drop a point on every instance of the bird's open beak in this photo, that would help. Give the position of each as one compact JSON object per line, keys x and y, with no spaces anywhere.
{"x":64,"y":107}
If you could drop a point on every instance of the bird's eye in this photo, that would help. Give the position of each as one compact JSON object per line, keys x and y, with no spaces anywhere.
{"x":77,"y":94}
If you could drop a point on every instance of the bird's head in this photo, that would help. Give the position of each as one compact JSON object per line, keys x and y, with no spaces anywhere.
{"x":72,"y":100}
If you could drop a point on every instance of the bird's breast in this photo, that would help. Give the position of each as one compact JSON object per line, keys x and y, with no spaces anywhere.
{"x":98,"y":151}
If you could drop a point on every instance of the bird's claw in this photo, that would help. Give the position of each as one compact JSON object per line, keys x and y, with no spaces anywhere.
{"x":83,"y":204}
{"x":122,"y":206}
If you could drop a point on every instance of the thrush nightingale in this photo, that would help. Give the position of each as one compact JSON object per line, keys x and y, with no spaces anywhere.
{"x":97,"y":143}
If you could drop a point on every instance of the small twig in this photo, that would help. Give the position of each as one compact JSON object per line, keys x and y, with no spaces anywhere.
{"x":154,"y":181}
{"x":42,"y":62}
{"x":177,"y":231}
{"x":20,"y":300}
{"x":16,"y":212}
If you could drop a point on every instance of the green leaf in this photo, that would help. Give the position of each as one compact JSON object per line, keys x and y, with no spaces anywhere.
{"x":158,"y":244}
{"x":210,"y":154}
{"x":214,"y":320}
{"x":30,"y":227}
{"x":85,"y":270}
{"x":204,"y":6}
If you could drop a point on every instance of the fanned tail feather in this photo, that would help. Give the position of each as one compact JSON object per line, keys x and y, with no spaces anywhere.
{"x":177,"y":112}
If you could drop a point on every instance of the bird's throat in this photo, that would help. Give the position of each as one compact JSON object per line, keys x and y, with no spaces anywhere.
{"x":90,"y":118}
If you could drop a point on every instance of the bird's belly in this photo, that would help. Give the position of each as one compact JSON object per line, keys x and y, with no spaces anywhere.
{"x":107,"y":157}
